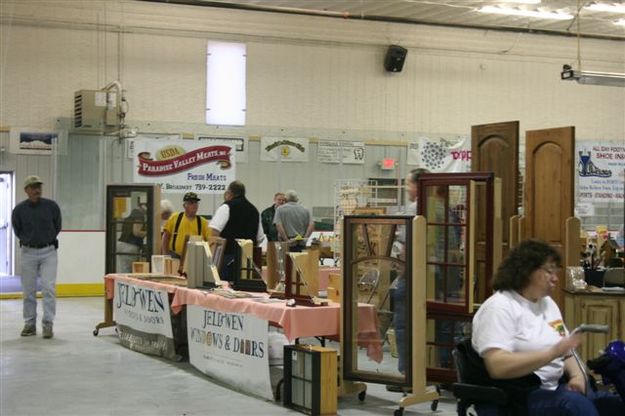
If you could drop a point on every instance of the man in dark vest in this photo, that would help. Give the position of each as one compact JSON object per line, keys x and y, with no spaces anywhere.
{"x":236,"y":218}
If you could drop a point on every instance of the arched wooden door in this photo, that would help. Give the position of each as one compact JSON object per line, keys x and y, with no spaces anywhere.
{"x":495,"y":148}
{"x":549,"y":187}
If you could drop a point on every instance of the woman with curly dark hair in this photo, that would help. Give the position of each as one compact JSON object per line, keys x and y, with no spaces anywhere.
{"x":519,"y":331}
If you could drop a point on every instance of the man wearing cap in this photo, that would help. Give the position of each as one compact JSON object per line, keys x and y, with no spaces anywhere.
{"x":236,"y":218}
{"x":182,"y":225}
{"x":37,"y":222}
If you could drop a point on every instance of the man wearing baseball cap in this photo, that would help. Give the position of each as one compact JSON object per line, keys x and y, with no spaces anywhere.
{"x":183,"y":224}
{"x":37,"y":223}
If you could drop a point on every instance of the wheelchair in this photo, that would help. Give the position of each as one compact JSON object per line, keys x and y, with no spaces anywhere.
{"x":480,"y":395}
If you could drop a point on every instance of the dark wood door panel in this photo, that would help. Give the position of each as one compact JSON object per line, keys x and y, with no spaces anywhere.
{"x":494,"y":148}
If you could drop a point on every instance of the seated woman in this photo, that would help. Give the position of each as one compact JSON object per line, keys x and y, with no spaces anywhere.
{"x":519,"y":330}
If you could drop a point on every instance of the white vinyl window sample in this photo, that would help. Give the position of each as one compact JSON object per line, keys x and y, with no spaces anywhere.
{"x":226,"y":83}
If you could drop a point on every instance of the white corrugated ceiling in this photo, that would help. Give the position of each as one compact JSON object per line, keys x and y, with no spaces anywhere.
{"x":449,"y":12}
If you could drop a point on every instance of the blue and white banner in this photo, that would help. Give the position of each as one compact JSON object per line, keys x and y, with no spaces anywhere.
{"x":283,"y":149}
{"x":143,"y":319}
{"x":180,"y":166}
{"x":600,"y":171}
{"x":230,"y":347}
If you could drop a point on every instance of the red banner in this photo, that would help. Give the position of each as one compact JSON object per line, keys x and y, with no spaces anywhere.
{"x":219,"y":154}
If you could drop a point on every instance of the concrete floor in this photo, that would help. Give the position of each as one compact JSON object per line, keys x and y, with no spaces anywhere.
{"x":77,"y":374}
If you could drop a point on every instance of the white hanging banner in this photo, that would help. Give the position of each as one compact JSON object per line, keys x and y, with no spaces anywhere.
{"x":180,"y":166}
{"x":273,"y":149}
{"x":238,"y":143}
{"x":351,"y":153}
{"x":440,"y":154}
{"x":231,"y":347}
{"x":600,"y":171}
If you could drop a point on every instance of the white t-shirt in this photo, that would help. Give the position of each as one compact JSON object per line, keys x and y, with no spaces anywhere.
{"x":221,"y":217}
{"x":510,"y":322}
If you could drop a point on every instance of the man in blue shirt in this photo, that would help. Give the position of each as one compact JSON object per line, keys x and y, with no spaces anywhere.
{"x":37,"y":222}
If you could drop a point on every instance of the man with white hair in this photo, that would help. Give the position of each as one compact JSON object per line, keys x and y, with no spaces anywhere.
{"x":167,"y":209}
{"x":293,"y":222}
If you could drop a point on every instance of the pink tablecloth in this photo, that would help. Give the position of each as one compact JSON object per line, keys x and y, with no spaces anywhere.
{"x":297,"y":322}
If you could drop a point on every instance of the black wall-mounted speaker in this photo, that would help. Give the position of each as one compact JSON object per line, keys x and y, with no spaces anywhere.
{"x":394,"y":59}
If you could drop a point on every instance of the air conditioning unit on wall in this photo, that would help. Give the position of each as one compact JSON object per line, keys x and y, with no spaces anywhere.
{"x":96,"y":110}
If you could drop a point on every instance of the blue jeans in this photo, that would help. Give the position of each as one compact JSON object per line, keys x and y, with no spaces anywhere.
{"x":42,"y":263}
{"x":400,"y":315}
{"x":563,"y":402}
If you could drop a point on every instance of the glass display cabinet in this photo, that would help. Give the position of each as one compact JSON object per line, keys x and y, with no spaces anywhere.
{"x":460,"y":209}
{"x":133,"y":225}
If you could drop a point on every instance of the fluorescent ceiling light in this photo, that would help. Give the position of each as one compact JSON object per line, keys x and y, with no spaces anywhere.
{"x":610,"y":79}
{"x":526,"y":13}
{"x":606,"y":7}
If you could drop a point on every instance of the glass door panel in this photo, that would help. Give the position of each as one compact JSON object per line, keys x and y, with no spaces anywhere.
{"x":132,"y":225}
{"x":444,"y":208}
{"x":377,"y":304}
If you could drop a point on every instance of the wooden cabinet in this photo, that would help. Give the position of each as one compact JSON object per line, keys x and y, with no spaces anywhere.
{"x":595,"y":308}
{"x":310,"y":383}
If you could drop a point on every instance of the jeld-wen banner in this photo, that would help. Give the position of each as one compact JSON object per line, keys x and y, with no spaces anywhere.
{"x":143,"y":319}
{"x":180,"y":166}
{"x":231,"y":347}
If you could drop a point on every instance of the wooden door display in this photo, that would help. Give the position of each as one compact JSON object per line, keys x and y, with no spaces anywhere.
{"x":444,"y":199}
{"x":495,"y":148}
{"x":376,"y":271}
{"x":549,"y":201}
{"x":132,"y":214}
{"x":389,"y":246}
{"x":455,"y":278}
